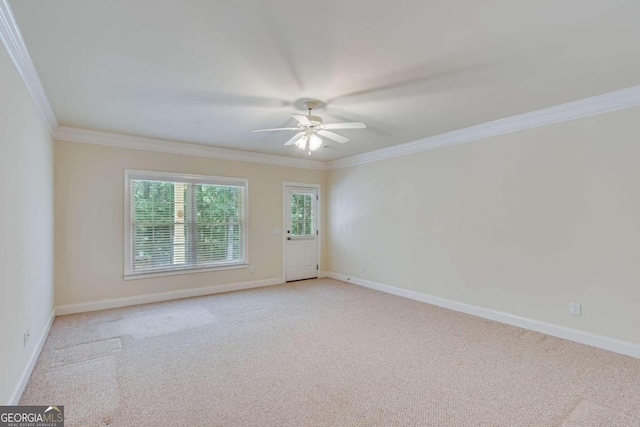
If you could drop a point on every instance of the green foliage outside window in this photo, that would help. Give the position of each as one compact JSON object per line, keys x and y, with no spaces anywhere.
{"x":301,"y":214}
{"x":153,"y":217}
{"x":164,"y":228}
{"x":218,"y":219}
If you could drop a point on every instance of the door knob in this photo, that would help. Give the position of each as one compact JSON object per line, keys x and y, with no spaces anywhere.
{"x":288,"y":238}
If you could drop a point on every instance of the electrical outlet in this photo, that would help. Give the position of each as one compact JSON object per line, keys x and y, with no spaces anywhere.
{"x":252,"y":269}
{"x":25,"y":338}
{"x":362,"y":269}
{"x":575,"y":309}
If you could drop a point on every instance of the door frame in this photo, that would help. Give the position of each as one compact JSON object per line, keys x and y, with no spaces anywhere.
{"x":285,"y":199}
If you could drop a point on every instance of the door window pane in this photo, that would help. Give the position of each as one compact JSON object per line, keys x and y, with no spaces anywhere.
{"x":301,"y":214}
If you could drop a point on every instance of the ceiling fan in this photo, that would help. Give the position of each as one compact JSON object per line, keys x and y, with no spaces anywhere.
{"x":311,"y":128}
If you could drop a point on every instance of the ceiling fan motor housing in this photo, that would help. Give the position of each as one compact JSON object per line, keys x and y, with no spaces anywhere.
{"x":315,"y":120}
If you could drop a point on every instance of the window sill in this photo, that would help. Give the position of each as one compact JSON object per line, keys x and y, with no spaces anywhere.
{"x":151,"y":274}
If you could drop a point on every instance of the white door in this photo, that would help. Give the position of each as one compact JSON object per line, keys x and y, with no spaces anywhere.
{"x":301,"y":233}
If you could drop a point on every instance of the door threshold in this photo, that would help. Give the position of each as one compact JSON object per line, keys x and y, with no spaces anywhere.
{"x":300,"y":280}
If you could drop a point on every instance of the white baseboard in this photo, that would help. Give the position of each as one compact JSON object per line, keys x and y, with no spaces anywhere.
{"x":323,"y":274}
{"x":164,"y":296}
{"x":26,"y":373}
{"x":606,"y":343}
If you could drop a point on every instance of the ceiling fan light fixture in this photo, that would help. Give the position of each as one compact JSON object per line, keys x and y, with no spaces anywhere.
{"x":314,"y":142}
{"x":310,"y":142}
{"x":302,"y":142}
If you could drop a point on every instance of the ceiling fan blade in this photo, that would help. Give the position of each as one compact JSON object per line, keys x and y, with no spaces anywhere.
{"x":302,"y":119}
{"x":334,"y":136}
{"x":352,"y":125}
{"x":269,"y":130}
{"x":296,"y":137}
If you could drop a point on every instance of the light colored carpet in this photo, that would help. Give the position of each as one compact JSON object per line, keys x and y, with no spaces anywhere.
{"x":323,"y":353}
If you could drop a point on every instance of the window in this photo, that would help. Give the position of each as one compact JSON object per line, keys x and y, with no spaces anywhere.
{"x":302,"y":214}
{"x":181,"y":222}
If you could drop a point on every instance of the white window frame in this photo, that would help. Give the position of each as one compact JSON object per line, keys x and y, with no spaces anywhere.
{"x":133,"y":174}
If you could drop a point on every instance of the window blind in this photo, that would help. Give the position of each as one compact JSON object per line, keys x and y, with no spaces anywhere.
{"x":184,"y":224}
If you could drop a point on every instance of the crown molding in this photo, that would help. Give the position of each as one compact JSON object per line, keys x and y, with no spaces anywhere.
{"x":612,"y":101}
{"x":65,"y":133}
{"x":13,"y":42}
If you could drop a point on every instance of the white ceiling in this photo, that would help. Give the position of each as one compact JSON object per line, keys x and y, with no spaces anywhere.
{"x":209,"y":72}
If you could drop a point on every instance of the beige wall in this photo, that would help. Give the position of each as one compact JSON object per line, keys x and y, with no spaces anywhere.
{"x":26,"y":226}
{"x":522,"y":223}
{"x":90,"y":220}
